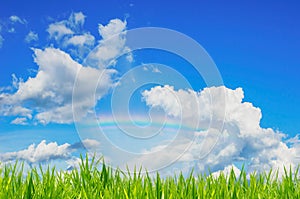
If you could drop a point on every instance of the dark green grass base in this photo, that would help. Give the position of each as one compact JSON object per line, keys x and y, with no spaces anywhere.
{"x":91,"y":182}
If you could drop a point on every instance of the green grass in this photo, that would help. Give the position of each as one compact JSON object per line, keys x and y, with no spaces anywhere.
{"x":91,"y":182}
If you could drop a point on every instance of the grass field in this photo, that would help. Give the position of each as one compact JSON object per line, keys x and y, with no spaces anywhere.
{"x":89,"y":181}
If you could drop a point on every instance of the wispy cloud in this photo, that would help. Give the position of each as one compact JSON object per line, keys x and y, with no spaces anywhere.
{"x":151,"y":67}
{"x":66,"y":28}
{"x":16,"y":19}
{"x":31,"y":37}
{"x":58,"y":30}
{"x":20,"y":121}
{"x":8,"y":25}
{"x":1,"y":41}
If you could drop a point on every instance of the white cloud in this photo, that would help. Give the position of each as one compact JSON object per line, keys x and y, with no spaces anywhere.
{"x":68,"y":33}
{"x":38,"y":154}
{"x":79,"y":45}
{"x":91,"y":144}
{"x":78,"y":18}
{"x":44,"y":152}
{"x":111,"y":46}
{"x":115,"y":26}
{"x":49,"y":93}
{"x":151,"y":67}
{"x":165,"y":98}
{"x":81,"y":40}
{"x":47,"y":97}
{"x":20,"y":121}
{"x":31,"y":37}
{"x":241,"y":139}
{"x":58,"y":30}
{"x":12,"y":110}
{"x":15,"y":19}
{"x":227,"y":170}
{"x":68,"y":27}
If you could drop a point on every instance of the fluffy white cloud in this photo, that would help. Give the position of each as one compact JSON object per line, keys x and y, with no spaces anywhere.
{"x":67,"y":28}
{"x":31,"y":37}
{"x":115,"y":26}
{"x":78,"y":18}
{"x":164,"y":97}
{"x":111,"y":46}
{"x":81,"y":40}
{"x":69,"y":33}
{"x":241,"y":139}
{"x":44,"y":152}
{"x":49,"y":93}
{"x":91,"y":144}
{"x":40,"y":153}
{"x":58,"y":30}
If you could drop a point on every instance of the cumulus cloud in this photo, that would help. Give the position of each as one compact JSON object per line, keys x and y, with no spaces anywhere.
{"x":44,"y":152}
{"x":81,"y":40}
{"x":114,"y":27}
{"x":38,"y":153}
{"x":58,"y":30}
{"x":31,"y":37}
{"x":48,"y":96}
{"x":241,"y":139}
{"x":111,"y":46}
{"x":69,"y":33}
{"x":78,"y":18}
{"x":68,"y":27}
{"x":79,"y":45}
{"x":49,"y":93}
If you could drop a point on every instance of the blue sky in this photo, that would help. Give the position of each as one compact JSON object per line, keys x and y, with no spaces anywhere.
{"x":255,"y":46}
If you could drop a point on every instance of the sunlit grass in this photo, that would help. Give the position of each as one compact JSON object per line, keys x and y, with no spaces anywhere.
{"x":88,"y":181}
